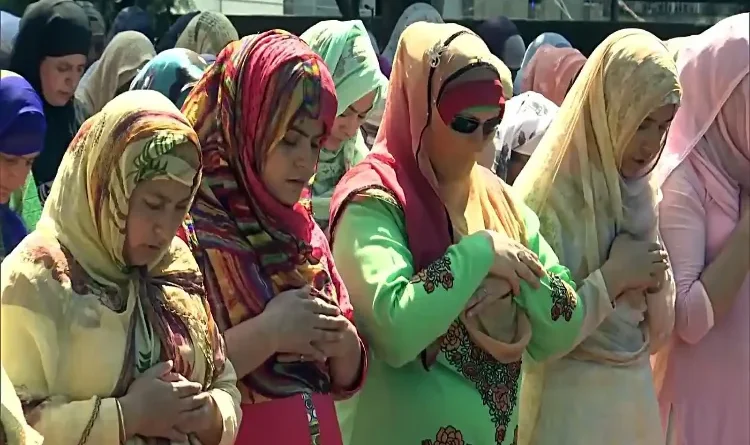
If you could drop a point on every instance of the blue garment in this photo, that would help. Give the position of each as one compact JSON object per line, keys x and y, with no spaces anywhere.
{"x":22,"y":130}
{"x":172,"y":73}
{"x":547,"y":38}
{"x":133,"y":18}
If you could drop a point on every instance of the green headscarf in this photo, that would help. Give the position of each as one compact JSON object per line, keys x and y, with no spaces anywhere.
{"x":346,"y":49}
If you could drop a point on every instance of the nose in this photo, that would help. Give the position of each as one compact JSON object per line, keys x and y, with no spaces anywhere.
{"x":350,"y":126}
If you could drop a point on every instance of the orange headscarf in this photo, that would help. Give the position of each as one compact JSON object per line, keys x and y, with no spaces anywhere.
{"x":551,"y":72}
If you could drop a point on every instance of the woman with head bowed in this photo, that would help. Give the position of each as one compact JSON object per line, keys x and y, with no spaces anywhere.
{"x":173,"y":73}
{"x":590,"y":180}
{"x":450,"y":280}
{"x":125,"y":55}
{"x":545,"y":38}
{"x":50,"y":53}
{"x":263,"y":112}
{"x":551,"y":72}
{"x":106,"y":332}
{"x":360,"y":89}
{"x":22,"y":129}
{"x":207,"y":33}
{"x":701,"y":377}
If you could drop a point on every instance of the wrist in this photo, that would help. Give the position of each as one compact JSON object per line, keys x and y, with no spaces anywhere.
{"x":611,"y":278}
{"x":131,"y":418}
{"x":268,"y":330}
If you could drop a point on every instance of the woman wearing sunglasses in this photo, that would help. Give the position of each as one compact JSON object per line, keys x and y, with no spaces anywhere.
{"x":447,"y":272}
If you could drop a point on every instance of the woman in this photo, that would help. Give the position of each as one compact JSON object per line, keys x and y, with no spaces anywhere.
{"x":50,"y":53}
{"x":98,"y":31}
{"x":360,"y":88}
{"x":125,"y":55}
{"x":527,"y":117}
{"x":173,"y":73}
{"x":169,"y":39}
{"x":133,"y":18}
{"x":590,"y":182}
{"x":428,"y":244}
{"x":552,"y":72}
{"x":705,"y":222}
{"x":22,"y":128}
{"x":262,"y":112}
{"x":545,"y":38}
{"x":417,"y":12}
{"x":104,"y":282}
{"x":502,"y":37}
{"x":207,"y":33}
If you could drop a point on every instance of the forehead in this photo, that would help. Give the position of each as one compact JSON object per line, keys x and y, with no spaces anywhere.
{"x":664,"y":113}
{"x":309,"y":126}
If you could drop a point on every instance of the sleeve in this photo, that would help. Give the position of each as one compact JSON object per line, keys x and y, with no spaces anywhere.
{"x":390,"y":298}
{"x":682,"y":217}
{"x":30,"y":353}
{"x":26,"y":203}
{"x":661,"y":314}
{"x":227,"y":398}
{"x":559,"y":313}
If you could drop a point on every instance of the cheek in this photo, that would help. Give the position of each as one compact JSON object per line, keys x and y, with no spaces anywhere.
{"x":137,"y":227}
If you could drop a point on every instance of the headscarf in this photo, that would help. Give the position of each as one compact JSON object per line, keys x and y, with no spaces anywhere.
{"x":400,"y":164}
{"x":417,"y":12}
{"x":133,"y":18}
{"x":495,"y":33}
{"x":173,"y":73}
{"x":169,"y":39}
{"x":346,"y":50}
{"x":127,"y":53}
{"x":247,"y":239}
{"x":207,"y":33}
{"x":8,"y":30}
{"x":546,"y":38}
{"x":15,"y":429}
{"x":51,"y":28}
{"x":22,"y":128}
{"x":551,"y":72}
{"x":573,"y":182}
{"x":98,"y":30}
{"x":711,"y":130}
{"x":527,"y":117}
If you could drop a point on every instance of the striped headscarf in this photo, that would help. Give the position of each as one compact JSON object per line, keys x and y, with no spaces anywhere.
{"x":242,"y":236}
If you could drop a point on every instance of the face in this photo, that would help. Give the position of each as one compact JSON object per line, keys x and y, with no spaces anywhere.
{"x":156,"y":210}
{"x":13,"y":173}
{"x":515,"y":165}
{"x":647,"y":143}
{"x":60,"y":77}
{"x":289,"y":166}
{"x":347,"y":124}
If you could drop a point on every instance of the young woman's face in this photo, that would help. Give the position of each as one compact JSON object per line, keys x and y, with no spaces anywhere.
{"x":13,"y":173}
{"x":347,"y":124}
{"x":60,"y":77}
{"x":289,"y":165}
{"x":157,"y":208}
{"x":647,"y":143}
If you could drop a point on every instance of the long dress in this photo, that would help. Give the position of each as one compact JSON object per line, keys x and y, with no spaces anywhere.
{"x":466,"y":397}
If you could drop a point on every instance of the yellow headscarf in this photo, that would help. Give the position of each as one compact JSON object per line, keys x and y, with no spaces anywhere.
{"x":207,"y":33}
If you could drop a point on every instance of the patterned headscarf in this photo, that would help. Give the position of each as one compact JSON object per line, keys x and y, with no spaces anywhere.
{"x":244,"y":238}
{"x":127,"y":53}
{"x":173,"y":73}
{"x":346,"y":49}
{"x":207,"y":33}
{"x":22,"y":129}
{"x":552,"y":71}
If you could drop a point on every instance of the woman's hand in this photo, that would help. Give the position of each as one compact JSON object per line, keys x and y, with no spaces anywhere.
{"x":156,"y":401}
{"x":491,"y":290}
{"x":514,"y":262}
{"x":205,"y":421}
{"x":300,"y":320}
{"x":346,"y":344}
{"x":633,"y":264}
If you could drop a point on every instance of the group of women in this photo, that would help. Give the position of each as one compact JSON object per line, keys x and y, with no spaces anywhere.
{"x":220,"y":258}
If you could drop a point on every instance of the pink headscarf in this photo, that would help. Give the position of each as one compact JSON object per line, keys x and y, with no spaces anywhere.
{"x":551,"y":71}
{"x":711,"y":129}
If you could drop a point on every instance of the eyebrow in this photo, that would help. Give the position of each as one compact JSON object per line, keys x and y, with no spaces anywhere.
{"x":304,"y":133}
{"x":164,"y":198}
{"x":356,"y":111}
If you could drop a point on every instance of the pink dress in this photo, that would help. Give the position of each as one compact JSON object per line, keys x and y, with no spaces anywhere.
{"x":705,"y":395}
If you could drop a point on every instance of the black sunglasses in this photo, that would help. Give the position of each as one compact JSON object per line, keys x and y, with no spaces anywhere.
{"x":468,"y":125}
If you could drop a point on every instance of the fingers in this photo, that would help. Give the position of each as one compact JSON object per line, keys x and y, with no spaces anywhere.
{"x":186,"y":388}
{"x":159,"y":370}
{"x":195,"y":402}
{"x":177,"y":436}
{"x":320,"y":306}
{"x":325,"y":322}
{"x":322,"y":335}
{"x":658,"y":256}
{"x":305,"y":291}
{"x":526,"y":274}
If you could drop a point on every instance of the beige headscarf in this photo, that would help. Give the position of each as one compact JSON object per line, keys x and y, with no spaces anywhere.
{"x":127,"y":53}
{"x":207,"y":33}
{"x":12,"y":421}
{"x":573,"y":182}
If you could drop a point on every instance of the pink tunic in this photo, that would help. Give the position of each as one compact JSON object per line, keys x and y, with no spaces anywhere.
{"x":705,"y":395}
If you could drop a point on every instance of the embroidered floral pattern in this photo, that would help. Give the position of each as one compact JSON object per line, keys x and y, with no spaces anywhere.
{"x":496,"y":382}
{"x":446,"y":435}
{"x":564,"y":300}
{"x":437,"y":274}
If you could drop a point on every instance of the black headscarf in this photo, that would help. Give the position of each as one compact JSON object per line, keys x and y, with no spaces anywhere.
{"x":169,"y":39}
{"x":51,"y":28}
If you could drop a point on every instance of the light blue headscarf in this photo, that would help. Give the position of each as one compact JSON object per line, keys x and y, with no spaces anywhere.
{"x":547,"y":38}
{"x":346,"y":49}
{"x":173,"y":73}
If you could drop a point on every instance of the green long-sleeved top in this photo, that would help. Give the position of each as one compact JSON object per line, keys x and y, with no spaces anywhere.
{"x":25,"y":202}
{"x":400,"y":311}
